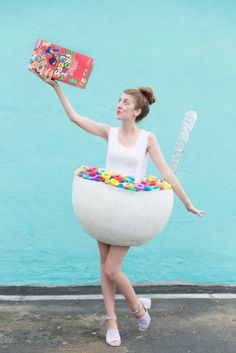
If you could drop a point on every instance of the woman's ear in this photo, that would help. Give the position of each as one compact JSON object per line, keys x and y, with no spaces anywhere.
{"x":137,"y":112}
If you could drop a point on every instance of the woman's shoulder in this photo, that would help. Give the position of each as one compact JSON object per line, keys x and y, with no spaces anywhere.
{"x":110,"y":132}
{"x":112,"y":129}
{"x":151,"y":138}
{"x":148,"y":133}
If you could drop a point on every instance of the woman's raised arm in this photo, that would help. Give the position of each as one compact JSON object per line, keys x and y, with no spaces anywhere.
{"x":84,"y":123}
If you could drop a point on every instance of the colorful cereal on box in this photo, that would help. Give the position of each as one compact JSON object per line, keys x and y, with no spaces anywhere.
{"x":121,"y":181}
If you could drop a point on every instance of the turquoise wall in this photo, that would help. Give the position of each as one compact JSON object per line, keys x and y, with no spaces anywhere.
{"x":186,"y":51}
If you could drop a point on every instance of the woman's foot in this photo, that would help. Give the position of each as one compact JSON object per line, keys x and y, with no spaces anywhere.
{"x":142,"y":314}
{"x":112,"y":335}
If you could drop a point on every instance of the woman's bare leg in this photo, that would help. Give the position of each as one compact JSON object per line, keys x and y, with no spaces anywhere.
{"x":112,"y":272}
{"x":108,"y":287}
{"x":111,"y":258}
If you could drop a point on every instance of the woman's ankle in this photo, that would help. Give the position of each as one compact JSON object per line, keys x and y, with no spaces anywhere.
{"x":111,"y":322}
{"x":138,"y":311}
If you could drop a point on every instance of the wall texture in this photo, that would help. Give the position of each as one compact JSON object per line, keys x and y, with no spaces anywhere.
{"x":183,"y":49}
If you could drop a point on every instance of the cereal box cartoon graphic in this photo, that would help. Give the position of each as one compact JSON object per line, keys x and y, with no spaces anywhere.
{"x":69,"y":66}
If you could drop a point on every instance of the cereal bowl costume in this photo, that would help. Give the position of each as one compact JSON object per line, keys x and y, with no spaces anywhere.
{"x":118,"y":205}
{"x":122,"y":209}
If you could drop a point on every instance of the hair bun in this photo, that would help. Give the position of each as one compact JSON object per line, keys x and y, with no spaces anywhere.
{"x":148,"y":93}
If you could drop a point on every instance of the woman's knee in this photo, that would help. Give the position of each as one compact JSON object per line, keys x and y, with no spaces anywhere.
{"x":111,"y":272}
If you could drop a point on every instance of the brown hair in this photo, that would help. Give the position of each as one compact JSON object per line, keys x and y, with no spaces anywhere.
{"x":143,"y":97}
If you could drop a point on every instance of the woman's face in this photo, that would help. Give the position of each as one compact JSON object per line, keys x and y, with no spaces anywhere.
{"x":125,"y":109}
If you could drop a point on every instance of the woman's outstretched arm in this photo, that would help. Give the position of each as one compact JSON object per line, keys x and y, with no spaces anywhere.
{"x":167,"y":174}
{"x":86,"y":124}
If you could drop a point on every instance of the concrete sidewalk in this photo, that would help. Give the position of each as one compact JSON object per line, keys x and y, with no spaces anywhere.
{"x":179,"y":325}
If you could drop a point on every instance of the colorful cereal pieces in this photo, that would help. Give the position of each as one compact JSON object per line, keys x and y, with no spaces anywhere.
{"x":114,"y":182}
{"x":130,"y":186}
{"x":127,"y":182}
{"x":140,"y":186}
{"x":118,"y":177}
{"x":106,"y":175}
{"x":92,"y":171}
{"x":166,"y":185}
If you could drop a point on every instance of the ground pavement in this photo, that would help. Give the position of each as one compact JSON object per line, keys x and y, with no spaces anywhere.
{"x":185,"y":319}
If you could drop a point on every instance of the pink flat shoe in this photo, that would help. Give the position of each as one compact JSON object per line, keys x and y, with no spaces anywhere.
{"x":145,"y":320}
{"x":112,"y":335}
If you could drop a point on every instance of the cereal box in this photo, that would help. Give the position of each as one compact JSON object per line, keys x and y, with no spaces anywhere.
{"x":69,"y":66}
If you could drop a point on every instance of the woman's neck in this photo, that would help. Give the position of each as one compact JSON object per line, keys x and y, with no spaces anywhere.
{"x":128,"y":128}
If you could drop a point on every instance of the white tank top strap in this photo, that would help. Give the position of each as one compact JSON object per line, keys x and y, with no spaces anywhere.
{"x":144,"y":138}
{"x":112,"y":134}
{"x":142,"y":152}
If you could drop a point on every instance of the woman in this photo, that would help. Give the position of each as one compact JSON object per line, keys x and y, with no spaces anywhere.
{"x":128,"y":147}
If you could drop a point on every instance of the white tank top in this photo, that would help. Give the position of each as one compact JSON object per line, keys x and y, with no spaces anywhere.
{"x":127,"y":160}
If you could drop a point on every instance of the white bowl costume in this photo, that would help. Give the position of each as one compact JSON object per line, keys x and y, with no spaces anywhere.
{"x":117,"y":216}
{"x":122,"y":217}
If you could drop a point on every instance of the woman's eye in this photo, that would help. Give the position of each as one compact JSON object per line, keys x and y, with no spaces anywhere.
{"x":125,"y":101}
